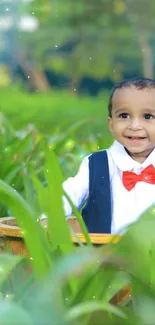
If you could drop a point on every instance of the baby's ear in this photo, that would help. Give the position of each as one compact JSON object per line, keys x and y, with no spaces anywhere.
{"x":110,"y":123}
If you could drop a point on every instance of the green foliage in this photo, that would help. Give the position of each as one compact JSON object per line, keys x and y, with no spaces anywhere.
{"x":55,"y":111}
{"x":19,"y":150}
{"x":68,"y":284}
{"x":22,"y":150}
{"x":103,"y":39}
{"x":73,"y":126}
{"x":98,"y":30}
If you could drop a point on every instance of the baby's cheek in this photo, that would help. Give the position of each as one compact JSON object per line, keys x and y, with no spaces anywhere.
{"x":151,"y":128}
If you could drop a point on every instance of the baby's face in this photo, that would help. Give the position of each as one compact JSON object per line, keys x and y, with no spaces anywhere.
{"x":133,"y":120}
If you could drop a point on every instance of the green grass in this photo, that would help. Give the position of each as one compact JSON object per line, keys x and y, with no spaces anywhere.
{"x":55,"y":110}
{"x":72,"y":285}
{"x":23,"y":148}
{"x":67,"y":284}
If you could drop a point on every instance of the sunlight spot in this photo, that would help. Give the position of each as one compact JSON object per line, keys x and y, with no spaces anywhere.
{"x":31,"y":258}
{"x":1,"y":269}
{"x":23,"y":232}
{"x":56,"y":45}
{"x":7,"y":9}
{"x":94,"y":297}
{"x":28,"y":77}
{"x":8,"y":296}
{"x":70,"y":144}
{"x":90,"y":58}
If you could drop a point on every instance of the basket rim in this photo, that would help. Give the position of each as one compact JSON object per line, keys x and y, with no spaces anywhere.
{"x":15,"y":231}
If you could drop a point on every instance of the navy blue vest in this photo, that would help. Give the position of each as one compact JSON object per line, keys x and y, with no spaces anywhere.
{"x":97,"y":211}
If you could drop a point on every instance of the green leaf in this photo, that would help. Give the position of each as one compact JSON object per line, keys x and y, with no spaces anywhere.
{"x":13,"y":314}
{"x":143,"y":298}
{"x":7,"y":264}
{"x":80,"y":220}
{"x":57,"y":225}
{"x":33,"y":234}
{"x":91,"y":307}
{"x":14,"y":171}
{"x":91,"y":288}
{"x":135,"y":247}
{"x":42,"y":194}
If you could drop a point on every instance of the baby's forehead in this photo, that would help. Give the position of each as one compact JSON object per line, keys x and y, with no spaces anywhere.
{"x":132,"y":94}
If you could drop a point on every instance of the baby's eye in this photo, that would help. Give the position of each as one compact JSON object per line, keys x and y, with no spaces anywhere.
{"x":148,"y":116}
{"x":124,"y":115}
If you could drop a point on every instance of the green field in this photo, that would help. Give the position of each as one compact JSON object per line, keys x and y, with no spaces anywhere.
{"x":43,"y":138}
{"x":55,"y":109}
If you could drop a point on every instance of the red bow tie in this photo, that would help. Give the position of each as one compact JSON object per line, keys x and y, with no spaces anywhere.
{"x":130,"y":179}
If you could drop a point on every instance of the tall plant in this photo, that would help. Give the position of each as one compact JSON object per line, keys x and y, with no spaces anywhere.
{"x":68,"y":284}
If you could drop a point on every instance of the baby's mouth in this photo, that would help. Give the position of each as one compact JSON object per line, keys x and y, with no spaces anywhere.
{"x":136,"y":138}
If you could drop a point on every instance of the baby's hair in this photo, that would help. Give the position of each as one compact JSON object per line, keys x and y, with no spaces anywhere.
{"x":139,"y":83}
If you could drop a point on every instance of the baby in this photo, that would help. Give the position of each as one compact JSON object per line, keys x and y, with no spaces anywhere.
{"x":115,"y":186}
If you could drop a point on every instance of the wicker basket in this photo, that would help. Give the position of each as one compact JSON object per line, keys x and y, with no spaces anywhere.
{"x":11,"y":236}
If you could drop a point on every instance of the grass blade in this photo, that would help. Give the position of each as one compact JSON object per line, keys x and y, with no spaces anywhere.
{"x":57,"y":225}
{"x":33,"y":234}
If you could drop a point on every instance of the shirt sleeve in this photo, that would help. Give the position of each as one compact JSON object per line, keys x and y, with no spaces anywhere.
{"x":77,"y":188}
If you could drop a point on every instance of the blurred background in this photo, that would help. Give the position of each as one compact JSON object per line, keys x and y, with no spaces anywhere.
{"x":59,"y":59}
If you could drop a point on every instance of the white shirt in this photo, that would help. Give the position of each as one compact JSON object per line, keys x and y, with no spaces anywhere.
{"x":127,"y":206}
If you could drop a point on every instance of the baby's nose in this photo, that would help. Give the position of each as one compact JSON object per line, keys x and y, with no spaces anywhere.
{"x":135,"y":124}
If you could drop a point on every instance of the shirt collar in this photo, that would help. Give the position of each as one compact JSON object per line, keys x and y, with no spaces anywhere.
{"x":125,"y":162}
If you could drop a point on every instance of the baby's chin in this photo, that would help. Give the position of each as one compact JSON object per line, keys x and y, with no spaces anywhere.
{"x":139,"y":152}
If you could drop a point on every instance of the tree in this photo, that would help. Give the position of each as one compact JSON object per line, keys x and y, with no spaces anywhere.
{"x":16,"y":53}
{"x":102,"y":38}
{"x":141,"y":15}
